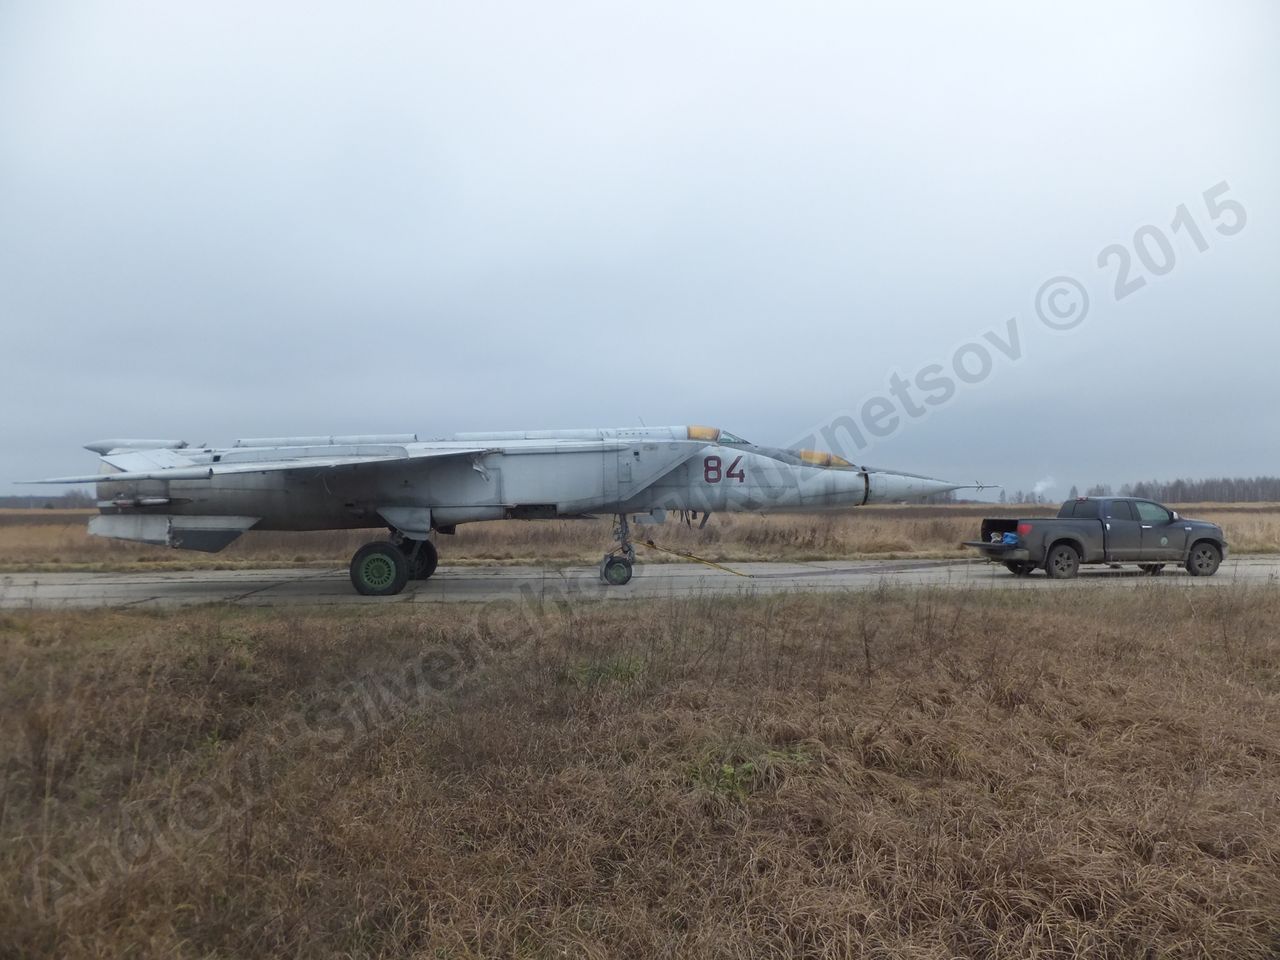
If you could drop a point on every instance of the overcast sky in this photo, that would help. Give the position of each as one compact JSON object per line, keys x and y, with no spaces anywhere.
{"x":232,"y":219}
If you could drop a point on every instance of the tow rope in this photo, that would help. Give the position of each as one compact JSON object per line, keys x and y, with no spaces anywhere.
{"x":689,"y":556}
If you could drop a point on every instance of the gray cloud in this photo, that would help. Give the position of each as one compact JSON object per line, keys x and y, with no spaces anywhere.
{"x":220,"y":220}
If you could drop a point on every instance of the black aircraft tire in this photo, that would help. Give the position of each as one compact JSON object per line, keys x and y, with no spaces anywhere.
{"x":1063,"y":562}
{"x":617,"y":571}
{"x":379,"y":570}
{"x":424,"y":564}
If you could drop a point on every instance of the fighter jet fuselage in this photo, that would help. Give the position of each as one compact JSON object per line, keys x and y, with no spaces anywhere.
{"x":203,"y":498}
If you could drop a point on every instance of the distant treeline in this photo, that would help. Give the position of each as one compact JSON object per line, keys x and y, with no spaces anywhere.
{"x":62,"y":501}
{"x":1211,"y":490}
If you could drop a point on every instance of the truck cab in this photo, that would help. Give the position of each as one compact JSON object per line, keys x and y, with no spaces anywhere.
{"x":1135,"y":529}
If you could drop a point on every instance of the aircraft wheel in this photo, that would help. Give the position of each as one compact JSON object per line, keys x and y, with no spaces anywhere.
{"x":616,"y":571}
{"x":379,"y":570}
{"x":422,"y":566}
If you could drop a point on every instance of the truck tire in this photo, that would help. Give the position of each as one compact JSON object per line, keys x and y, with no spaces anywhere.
{"x":1062,"y":561}
{"x":1020,"y":568}
{"x":1204,"y":559}
{"x":1151,"y":569}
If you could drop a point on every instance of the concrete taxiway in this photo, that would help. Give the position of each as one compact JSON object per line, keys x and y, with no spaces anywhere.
{"x":483,"y":584}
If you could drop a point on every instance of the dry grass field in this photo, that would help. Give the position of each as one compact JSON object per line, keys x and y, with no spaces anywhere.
{"x":56,"y":540}
{"x":883,"y":775}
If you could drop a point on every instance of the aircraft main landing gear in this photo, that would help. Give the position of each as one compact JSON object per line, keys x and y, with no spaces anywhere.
{"x":383,"y":568}
{"x":379,"y":569}
{"x":615,"y":568}
{"x":423,"y":558}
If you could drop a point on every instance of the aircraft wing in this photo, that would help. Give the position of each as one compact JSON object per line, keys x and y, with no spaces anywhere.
{"x":203,"y":464}
{"x":172,"y":465}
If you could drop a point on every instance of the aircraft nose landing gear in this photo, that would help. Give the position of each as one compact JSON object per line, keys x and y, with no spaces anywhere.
{"x":615,"y":568}
{"x":615,"y":571}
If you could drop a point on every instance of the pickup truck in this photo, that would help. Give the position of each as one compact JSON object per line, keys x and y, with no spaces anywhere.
{"x":1112,"y":530}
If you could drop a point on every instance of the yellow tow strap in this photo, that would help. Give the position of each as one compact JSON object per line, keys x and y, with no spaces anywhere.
{"x":689,"y":556}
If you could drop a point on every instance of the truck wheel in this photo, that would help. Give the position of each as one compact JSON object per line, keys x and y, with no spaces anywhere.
{"x":379,"y":569}
{"x":1020,"y":568}
{"x":1151,"y":569}
{"x":1063,"y":562}
{"x":1204,"y":559}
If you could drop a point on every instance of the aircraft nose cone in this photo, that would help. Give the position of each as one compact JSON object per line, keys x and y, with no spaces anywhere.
{"x":891,"y":487}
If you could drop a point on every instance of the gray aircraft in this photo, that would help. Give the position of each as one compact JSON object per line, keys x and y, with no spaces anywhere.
{"x":202,"y":498}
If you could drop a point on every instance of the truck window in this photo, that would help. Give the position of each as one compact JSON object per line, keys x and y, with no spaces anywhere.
{"x":1086,"y":510}
{"x":1152,"y":513}
{"x":1120,"y":510}
{"x":1068,"y":510}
